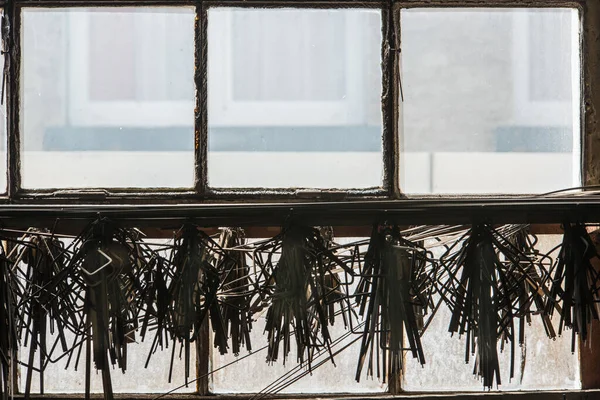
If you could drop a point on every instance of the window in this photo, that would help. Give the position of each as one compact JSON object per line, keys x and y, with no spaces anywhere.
{"x":298,"y":89}
{"x":541,"y":363}
{"x":478,"y":87}
{"x":63,"y":378}
{"x":498,"y":88}
{"x":446,"y":369}
{"x":108,"y":111}
{"x":158,"y":114}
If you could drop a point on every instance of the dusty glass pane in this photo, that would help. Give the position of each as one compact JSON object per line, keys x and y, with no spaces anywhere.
{"x":137,"y":379}
{"x":294,"y":98}
{"x":108,"y":97}
{"x":540,"y":364}
{"x":491,"y":100}
{"x":64,"y":376}
{"x":250,"y":373}
{"x":254,"y":374}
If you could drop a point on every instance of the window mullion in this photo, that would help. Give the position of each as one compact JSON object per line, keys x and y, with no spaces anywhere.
{"x":203,"y":353}
{"x":203,"y":359}
{"x":201,"y":111}
{"x":591,"y":94}
{"x":590,"y":351}
{"x":390,"y":52}
{"x":13,"y":46}
{"x":389,"y":100}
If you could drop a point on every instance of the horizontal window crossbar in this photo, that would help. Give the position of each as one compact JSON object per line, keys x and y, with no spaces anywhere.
{"x":346,"y":213}
{"x":209,"y":3}
{"x":540,"y":395}
{"x":298,"y":3}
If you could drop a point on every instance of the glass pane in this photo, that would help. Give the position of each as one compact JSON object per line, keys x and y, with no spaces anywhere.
{"x":491,"y":100}
{"x":540,"y":364}
{"x":108,"y":97}
{"x":253,"y":374}
{"x":294,"y":98}
{"x":283,"y":73}
{"x":64,"y":374}
{"x":62,"y":378}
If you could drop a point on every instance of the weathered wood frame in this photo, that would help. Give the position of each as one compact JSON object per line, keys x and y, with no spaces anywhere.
{"x":154,"y":209}
{"x":201,"y":192}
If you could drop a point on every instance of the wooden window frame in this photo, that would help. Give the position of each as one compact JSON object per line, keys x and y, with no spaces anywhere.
{"x":154,"y":210}
{"x":200,"y":191}
{"x":390,"y":105}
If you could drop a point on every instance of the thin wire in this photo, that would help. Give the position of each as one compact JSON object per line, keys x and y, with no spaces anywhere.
{"x":209,"y":373}
{"x":582,"y":189}
{"x":280,"y":386}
